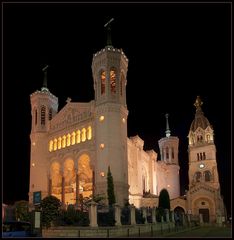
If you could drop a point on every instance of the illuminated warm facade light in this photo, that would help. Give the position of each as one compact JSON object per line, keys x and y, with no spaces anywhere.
{"x":101,"y":118}
{"x":102,"y":145}
{"x":102,"y":174}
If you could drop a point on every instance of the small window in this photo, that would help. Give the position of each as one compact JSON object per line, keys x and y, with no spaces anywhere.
{"x":113,"y":81}
{"x":204,"y":156}
{"x":207,"y":176}
{"x":36,"y":117}
{"x":50,"y":114}
{"x":198,"y":176}
{"x":167,"y":153}
{"x":103,"y":82}
{"x":201,"y":156}
{"x":198,"y":158}
{"x":43,"y":115}
{"x":172,"y":153}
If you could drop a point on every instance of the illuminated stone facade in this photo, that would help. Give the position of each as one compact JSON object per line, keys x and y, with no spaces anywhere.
{"x":72,"y":149}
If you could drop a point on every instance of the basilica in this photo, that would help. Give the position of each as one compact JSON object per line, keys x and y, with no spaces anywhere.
{"x":71,"y":149}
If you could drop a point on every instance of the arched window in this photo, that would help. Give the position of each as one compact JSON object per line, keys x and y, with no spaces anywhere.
{"x":204,"y":156}
{"x":51,"y":145}
{"x":172,"y":153}
{"x":68,"y":139}
{"x":78,"y":136}
{"x":73,"y":138}
{"x":43,"y":109}
{"x":167,"y":153}
{"x":64,"y":141}
{"x":198,"y":176}
{"x":143,"y":184}
{"x":35,"y":116}
{"x":89,"y":133}
{"x":103,"y":82}
{"x":207,"y":176}
{"x":201,"y":156}
{"x":198,"y":158}
{"x":59,"y":143}
{"x":83,"y":136}
{"x":50,"y":114}
{"x":55,"y":144}
{"x":113,"y":81}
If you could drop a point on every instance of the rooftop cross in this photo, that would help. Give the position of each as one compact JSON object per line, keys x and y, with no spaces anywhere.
{"x":108,"y":27}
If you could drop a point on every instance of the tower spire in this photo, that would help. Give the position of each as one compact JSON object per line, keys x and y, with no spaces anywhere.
{"x":168,"y":132}
{"x":44,"y":86}
{"x":108,"y":32}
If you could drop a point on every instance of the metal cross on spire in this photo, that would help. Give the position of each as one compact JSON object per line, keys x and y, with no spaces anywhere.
{"x":44,"y":86}
{"x":108,"y":27}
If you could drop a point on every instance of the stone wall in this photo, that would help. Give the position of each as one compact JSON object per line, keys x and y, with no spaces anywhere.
{"x":118,"y":231}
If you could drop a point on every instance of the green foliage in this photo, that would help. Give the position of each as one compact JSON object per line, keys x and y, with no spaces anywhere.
{"x":110,"y":188}
{"x":22,"y":210}
{"x":50,"y":207}
{"x":164,"y":199}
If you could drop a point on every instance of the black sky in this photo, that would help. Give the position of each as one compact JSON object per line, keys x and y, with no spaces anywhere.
{"x":176,"y":51}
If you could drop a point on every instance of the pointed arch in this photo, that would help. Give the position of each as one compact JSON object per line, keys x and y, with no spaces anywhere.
{"x":207,"y":176}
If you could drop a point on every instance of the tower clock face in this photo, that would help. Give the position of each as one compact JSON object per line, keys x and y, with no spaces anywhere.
{"x":201,"y":165}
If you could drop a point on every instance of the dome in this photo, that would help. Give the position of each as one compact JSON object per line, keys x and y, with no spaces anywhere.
{"x":200,"y":120}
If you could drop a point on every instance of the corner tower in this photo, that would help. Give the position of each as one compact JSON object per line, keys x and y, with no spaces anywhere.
{"x":109,"y":67}
{"x":204,"y":188}
{"x":44,"y":105}
{"x":169,"y":155}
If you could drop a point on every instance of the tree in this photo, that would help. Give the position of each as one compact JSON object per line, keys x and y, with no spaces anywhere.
{"x":50,"y":207}
{"x":110,"y":188}
{"x":164,"y":199}
{"x":22,"y":210}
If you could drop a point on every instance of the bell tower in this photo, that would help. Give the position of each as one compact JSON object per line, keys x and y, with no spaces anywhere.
{"x":203,"y":196}
{"x":169,"y":155}
{"x":44,"y":105}
{"x":109,"y":67}
{"x":202,"y":150}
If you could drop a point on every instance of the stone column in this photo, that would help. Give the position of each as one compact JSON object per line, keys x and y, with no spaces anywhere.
{"x":167,"y":215}
{"x":162,"y":219}
{"x":93,"y":214}
{"x":172,"y":216}
{"x":153,"y":215}
{"x":132,"y":214}
{"x":77,"y":189}
{"x":183,"y":219}
{"x":189,"y":219}
{"x":201,"y":218}
{"x":144,"y":213}
{"x":117,"y":215}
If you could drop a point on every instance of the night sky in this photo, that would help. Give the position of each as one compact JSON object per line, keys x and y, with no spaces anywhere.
{"x":175,"y":51}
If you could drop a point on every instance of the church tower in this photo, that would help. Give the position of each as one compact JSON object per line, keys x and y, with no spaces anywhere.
{"x":204,"y":189}
{"x":109,"y":67}
{"x":169,"y":155}
{"x":44,"y":105}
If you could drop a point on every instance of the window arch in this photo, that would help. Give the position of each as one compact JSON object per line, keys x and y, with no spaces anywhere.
{"x":64,"y":141}
{"x":167,"y":153}
{"x":51,"y":143}
{"x":113,"y":80}
{"x":55,"y":144}
{"x":43,"y":109}
{"x":198,"y":157}
{"x":78,"y":136}
{"x":68,"y":139}
{"x":89,"y":133}
{"x":83,"y":134}
{"x":73,"y":138}
{"x":59,"y":143}
{"x":198,"y":176}
{"x":103,"y":82}
{"x":207,"y":176}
